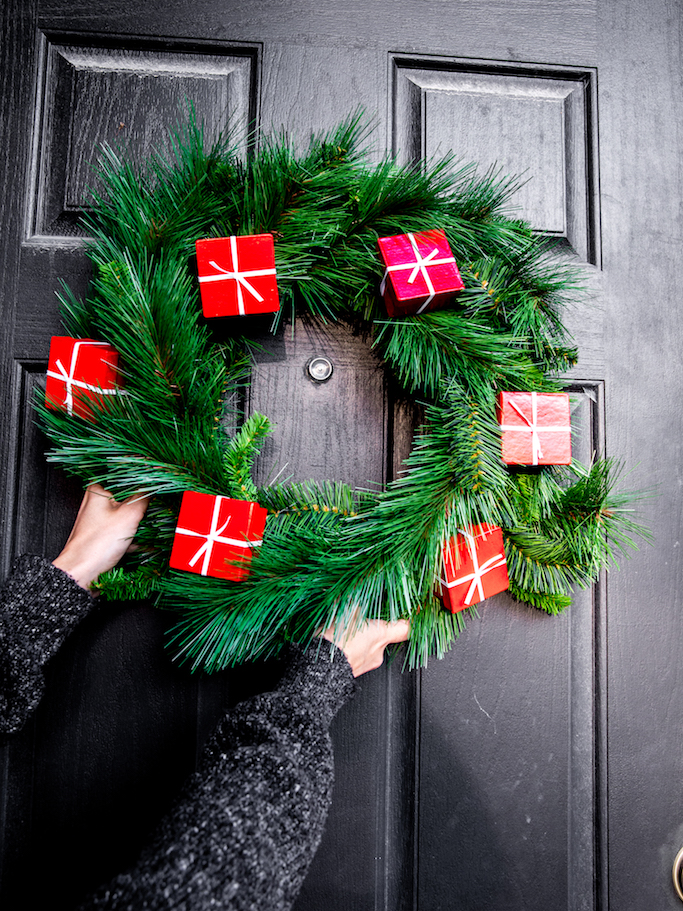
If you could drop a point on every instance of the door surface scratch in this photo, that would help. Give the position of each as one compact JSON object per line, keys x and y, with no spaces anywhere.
{"x":495,"y":730}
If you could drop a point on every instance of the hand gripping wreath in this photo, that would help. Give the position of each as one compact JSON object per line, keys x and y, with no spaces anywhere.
{"x":324,"y":554}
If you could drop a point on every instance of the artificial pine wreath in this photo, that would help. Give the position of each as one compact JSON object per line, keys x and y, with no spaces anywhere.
{"x":329,"y":552}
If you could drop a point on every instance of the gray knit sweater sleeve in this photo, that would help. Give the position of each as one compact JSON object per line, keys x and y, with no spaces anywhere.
{"x":39,"y":606}
{"x":246,"y":828}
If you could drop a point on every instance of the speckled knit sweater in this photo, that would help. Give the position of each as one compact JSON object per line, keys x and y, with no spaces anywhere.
{"x":245,"y":829}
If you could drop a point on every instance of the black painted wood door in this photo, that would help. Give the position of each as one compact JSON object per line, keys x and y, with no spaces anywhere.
{"x":539,"y":765}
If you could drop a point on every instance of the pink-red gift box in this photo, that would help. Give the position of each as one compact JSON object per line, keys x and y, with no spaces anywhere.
{"x":237,"y":275}
{"x":535,"y":428}
{"x":474,"y":567}
{"x":79,"y":370}
{"x":420,"y":273}
{"x":214,"y":532}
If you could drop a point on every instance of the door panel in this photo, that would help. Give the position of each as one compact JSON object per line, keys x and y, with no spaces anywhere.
{"x":491,"y":779}
{"x":342,"y":423}
{"x":124,"y":95}
{"x":532,"y":121}
{"x":500,"y":826}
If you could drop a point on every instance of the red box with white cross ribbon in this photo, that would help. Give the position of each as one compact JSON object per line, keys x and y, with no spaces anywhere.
{"x":80,"y":370}
{"x":474,"y":567}
{"x":237,"y":275}
{"x":213,"y":533}
{"x":535,"y":428}
{"x":421,"y":273}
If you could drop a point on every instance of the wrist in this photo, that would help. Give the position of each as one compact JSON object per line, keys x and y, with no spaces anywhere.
{"x":80,"y":570}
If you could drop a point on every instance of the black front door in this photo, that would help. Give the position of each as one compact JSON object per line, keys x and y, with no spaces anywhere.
{"x":539,"y":764}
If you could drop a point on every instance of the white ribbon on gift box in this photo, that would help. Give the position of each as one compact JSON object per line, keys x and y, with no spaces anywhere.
{"x":215,"y":536}
{"x":419,"y":266}
{"x":533,"y":428}
{"x":236,"y":275}
{"x":479,"y":570}
{"x":68,"y":378}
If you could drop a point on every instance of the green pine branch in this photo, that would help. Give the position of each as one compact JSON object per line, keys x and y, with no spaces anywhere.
{"x":428,"y":350}
{"x":242,"y":450}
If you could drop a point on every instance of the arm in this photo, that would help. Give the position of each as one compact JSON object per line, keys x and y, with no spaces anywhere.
{"x":250,"y":821}
{"x":41,"y":602}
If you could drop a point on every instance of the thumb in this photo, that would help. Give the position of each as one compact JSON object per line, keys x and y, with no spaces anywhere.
{"x":398,"y":631}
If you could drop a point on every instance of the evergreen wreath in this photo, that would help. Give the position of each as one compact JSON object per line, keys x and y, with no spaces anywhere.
{"x":330,"y":553}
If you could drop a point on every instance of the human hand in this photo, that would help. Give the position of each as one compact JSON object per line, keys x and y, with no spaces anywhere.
{"x":364,"y":644}
{"x":102,"y":533}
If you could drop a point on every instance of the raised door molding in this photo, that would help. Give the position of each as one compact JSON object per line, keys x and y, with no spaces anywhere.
{"x":533,"y":122}
{"x":90,"y":93}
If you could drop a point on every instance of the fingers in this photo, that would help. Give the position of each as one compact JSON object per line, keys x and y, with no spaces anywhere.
{"x":134,"y":504}
{"x":397,"y":631}
{"x":364,"y":644}
{"x":100,"y":511}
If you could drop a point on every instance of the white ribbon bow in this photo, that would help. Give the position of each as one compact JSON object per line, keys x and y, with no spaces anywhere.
{"x":214,"y":536}
{"x":419,"y":266}
{"x":532,"y":427}
{"x":236,"y":275}
{"x":479,"y":571}
{"x":68,"y":378}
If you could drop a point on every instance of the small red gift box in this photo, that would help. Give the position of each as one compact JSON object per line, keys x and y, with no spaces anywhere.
{"x":237,"y":275}
{"x":78,"y":370}
{"x":421,"y":273}
{"x":535,"y":428}
{"x":214,"y":532}
{"x":474,"y":566}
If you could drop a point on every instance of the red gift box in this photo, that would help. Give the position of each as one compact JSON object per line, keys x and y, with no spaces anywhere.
{"x":237,"y":275}
{"x":213,"y":532}
{"x":78,"y":370}
{"x":474,"y":566}
{"x":535,"y":428}
{"x":421,"y":273}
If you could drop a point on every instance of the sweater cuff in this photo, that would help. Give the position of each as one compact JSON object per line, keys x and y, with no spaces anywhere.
{"x":39,"y":606}
{"x":42,"y":604}
{"x":320,"y":676}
